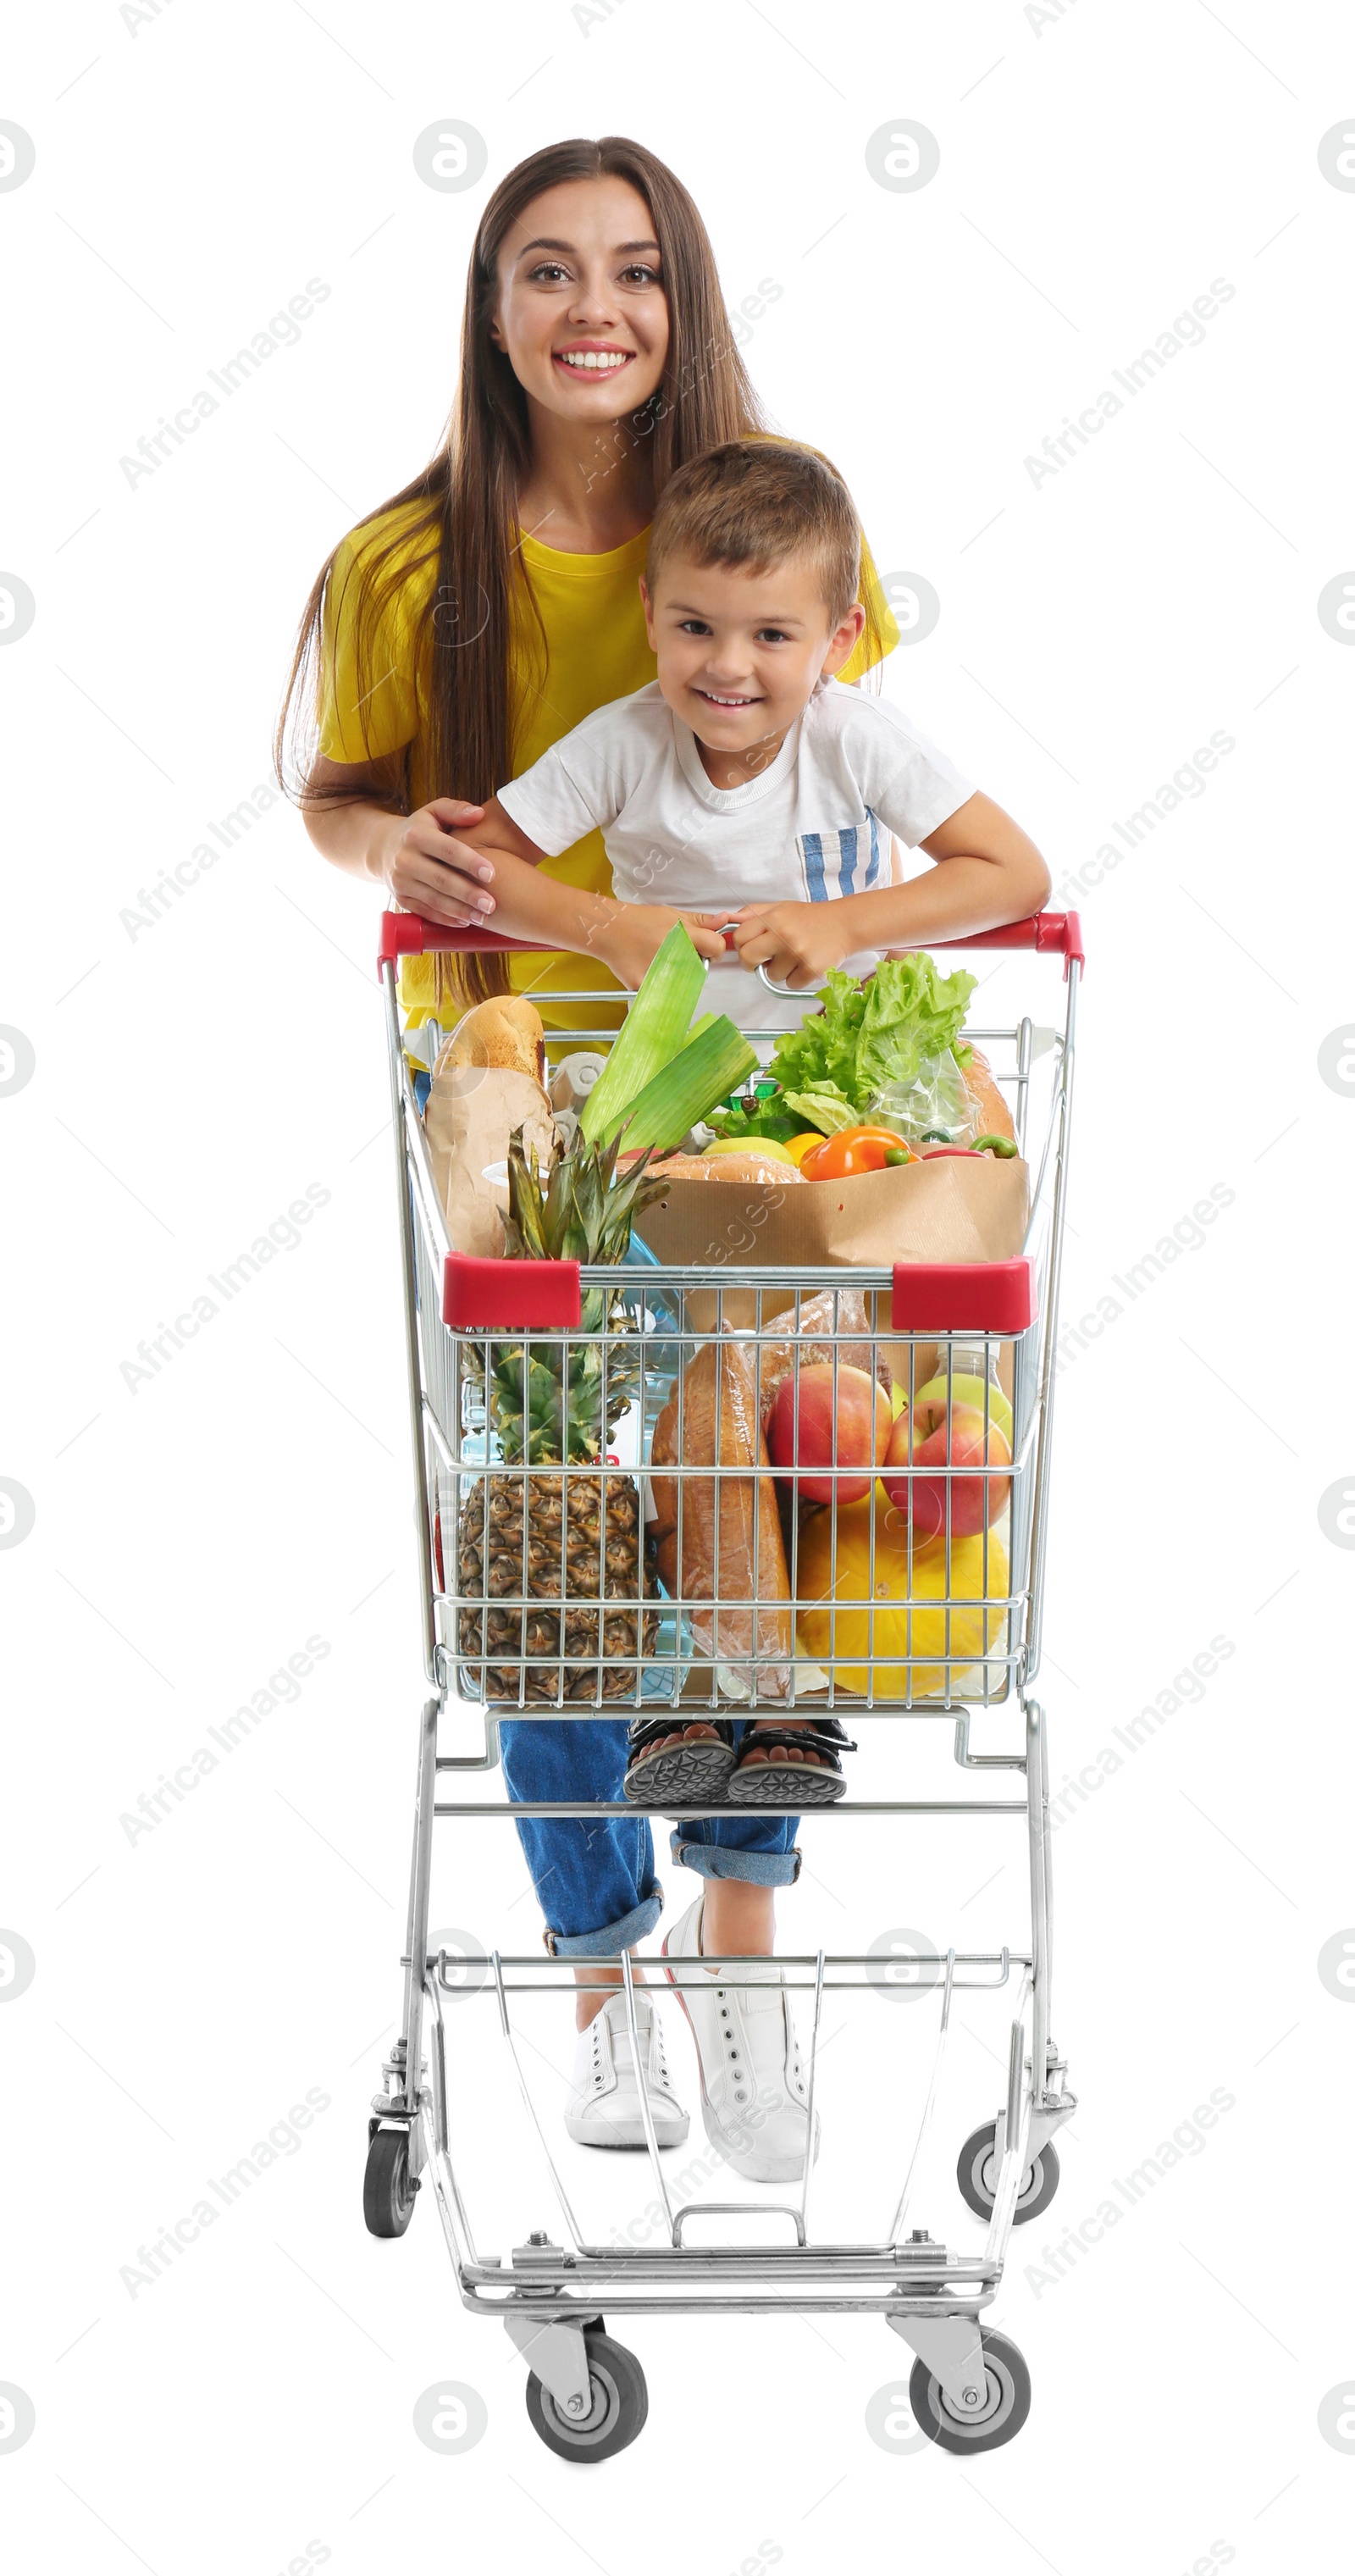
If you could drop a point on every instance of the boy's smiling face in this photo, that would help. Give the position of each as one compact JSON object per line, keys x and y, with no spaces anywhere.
{"x":740,"y":652}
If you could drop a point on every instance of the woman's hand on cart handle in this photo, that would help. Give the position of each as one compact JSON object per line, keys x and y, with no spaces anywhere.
{"x":432,"y":873}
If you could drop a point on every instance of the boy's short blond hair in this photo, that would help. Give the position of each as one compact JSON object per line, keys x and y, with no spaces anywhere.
{"x":754,"y":503}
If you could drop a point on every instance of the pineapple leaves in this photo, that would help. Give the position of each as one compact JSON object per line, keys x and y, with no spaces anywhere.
{"x":583,"y":1213}
{"x":553,"y":1403}
{"x":524,"y":1226}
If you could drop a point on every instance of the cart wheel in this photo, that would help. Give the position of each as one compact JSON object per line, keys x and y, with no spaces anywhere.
{"x":1002,"y":2414}
{"x":976,"y":2176}
{"x":620,"y":2403}
{"x":388,"y":2188}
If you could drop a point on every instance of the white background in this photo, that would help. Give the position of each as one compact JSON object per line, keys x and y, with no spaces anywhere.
{"x":1098,"y":169}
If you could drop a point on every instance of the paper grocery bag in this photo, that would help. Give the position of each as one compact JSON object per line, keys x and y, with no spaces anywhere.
{"x":946,"y":1207}
{"x":471,"y":1113}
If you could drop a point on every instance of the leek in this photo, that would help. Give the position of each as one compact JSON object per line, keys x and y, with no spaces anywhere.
{"x":708,"y":1068}
{"x":656,"y":1027}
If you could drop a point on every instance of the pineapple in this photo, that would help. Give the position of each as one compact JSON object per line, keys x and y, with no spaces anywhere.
{"x":548,"y":1536}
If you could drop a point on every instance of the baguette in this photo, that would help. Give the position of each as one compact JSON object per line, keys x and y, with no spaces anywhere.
{"x":744,"y":1559}
{"x":992,"y":1117}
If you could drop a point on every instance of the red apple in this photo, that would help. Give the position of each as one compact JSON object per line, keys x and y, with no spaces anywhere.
{"x":864,"y":1423}
{"x":944,"y":1435}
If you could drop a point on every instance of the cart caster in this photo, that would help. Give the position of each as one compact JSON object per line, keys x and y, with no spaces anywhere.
{"x":619,"y":2404}
{"x":388,"y":2187}
{"x":976,"y":2174}
{"x":1002,"y":2414}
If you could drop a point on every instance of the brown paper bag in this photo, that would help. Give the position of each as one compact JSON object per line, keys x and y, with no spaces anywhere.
{"x":947,"y":1207}
{"x":471,"y":1113}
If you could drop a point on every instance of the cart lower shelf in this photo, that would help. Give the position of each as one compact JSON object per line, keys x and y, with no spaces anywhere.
{"x":969,"y":2388}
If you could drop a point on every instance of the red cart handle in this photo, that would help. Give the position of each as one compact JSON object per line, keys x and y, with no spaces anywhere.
{"x":405,"y":934}
{"x":1052,"y":934}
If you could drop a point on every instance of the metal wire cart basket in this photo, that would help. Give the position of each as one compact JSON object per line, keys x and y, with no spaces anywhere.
{"x":569,"y":1591}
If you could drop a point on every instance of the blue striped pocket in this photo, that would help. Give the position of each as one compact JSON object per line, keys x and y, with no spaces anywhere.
{"x":831,"y":860}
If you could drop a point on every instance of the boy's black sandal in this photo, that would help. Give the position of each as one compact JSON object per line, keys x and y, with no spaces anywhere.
{"x":778,"y":1781}
{"x":692,"y":1770}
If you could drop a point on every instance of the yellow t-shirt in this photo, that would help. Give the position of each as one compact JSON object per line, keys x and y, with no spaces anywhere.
{"x":597,"y":650}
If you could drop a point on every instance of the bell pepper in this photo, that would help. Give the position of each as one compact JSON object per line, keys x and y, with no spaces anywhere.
{"x":853,"y":1150}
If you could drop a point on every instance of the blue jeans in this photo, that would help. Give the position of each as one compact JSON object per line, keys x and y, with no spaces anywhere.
{"x":594,"y":1875}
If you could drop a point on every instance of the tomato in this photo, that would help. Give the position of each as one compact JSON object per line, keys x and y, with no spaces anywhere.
{"x":853,"y":1150}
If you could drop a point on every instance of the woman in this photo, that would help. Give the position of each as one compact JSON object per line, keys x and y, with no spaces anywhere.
{"x":451,"y":639}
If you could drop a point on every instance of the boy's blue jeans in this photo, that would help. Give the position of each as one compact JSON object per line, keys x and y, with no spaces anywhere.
{"x":594,"y":1875}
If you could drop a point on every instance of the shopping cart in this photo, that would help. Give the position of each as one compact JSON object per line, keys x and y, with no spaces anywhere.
{"x":948,"y":1629}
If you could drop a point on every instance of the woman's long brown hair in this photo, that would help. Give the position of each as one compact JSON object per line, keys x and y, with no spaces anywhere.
{"x":460,"y":513}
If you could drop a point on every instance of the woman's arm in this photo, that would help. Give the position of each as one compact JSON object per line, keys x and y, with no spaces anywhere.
{"x":416,"y":857}
{"x":441,"y":861}
{"x":989,"y":872}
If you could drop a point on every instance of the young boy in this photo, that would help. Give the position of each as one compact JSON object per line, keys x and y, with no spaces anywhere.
{"x":746,"y":789}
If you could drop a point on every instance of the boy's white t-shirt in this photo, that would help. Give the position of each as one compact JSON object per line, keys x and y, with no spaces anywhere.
{"x":812,"y":828}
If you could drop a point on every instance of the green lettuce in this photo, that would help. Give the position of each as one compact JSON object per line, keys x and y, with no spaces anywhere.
{"x":828,"y":1108}
{"x":883,"y":1031}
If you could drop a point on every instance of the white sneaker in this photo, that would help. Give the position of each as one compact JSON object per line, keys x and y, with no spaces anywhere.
{"x":603,"y":2109}
{"x":754,"y":2098}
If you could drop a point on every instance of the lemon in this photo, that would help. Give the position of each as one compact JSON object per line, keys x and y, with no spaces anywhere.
{"x":765,"y":1145}
{"x":799,"y":1146}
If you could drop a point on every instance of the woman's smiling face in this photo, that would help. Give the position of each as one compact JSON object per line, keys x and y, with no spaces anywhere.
{"x":582,"y":315}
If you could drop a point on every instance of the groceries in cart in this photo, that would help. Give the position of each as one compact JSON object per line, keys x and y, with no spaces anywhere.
{"x":874,"y":1081}
{"x":749,"y":1483}
{"x":884,"y":1057}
